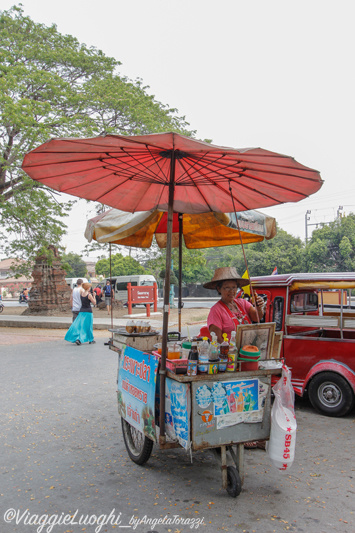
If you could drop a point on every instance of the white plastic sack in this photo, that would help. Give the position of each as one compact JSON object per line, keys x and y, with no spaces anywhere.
{"x":281,"y":446}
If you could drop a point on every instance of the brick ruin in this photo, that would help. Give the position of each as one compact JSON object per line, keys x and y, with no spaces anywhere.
{"x":49,"y":291}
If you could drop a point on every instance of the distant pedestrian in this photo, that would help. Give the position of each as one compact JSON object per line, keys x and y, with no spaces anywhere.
{"x":75,"y":300}
{"x":98,"y":293}
{"x":108,"y":295}
{"x":82,"y":329}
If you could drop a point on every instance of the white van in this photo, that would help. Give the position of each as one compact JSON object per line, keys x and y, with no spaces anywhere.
{"x":72,"y":282}
{"x":119,"y":284}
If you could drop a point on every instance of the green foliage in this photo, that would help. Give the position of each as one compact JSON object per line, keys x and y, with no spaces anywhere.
{"x":120,"y":266}
{"x":332,"y":247}
{"x":53,"y":86}
{"x":73,"y":265}
{"x":283,"y":251}
{"x":194,"y":266}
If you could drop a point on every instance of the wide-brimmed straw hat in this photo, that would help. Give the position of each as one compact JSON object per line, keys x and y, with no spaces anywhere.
{"x":224,"y":274}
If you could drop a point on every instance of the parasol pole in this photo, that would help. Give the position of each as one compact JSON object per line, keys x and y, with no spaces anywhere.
{"x":180,"y":269}
{"x":111,"y":292}
{"x":162,"y":371}
{"x":245,"y":257}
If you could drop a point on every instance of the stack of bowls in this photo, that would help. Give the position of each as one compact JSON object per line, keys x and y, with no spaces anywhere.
{"x":249,"y":356}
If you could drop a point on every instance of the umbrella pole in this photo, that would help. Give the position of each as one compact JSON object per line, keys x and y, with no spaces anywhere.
{"x":162,"y":371}
{"x":245,"y":257}
{"x":180,"y":270}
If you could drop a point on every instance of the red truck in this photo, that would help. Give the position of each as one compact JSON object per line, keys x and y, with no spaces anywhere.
{"x":315,"y":316}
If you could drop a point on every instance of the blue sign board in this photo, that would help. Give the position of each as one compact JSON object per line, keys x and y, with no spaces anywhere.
{"x":136,"y":389}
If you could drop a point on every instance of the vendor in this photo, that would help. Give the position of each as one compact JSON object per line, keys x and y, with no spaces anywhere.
{"x":229,"y":312}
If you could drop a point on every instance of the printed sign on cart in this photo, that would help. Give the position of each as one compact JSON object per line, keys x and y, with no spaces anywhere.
{"x":177,"y":411}
{"x":136,"y":389}
{"x":232,"y":402}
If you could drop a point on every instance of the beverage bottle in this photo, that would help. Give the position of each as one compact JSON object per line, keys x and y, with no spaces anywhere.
{"x":232,"y":402}
{"x":232,"y":342}
{"x":192,"y":360}
{"x":204,"y":355}
{"x":213,"y":356}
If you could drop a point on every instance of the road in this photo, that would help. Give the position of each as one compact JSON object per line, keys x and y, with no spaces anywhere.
{"x":13,"y":303}
{"x":63,"y":454}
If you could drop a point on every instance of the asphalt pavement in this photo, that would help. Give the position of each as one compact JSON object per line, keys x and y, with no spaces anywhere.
{"x":63,"y":459}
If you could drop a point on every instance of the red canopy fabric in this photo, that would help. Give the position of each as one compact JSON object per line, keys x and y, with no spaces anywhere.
{"x":133,"y":173}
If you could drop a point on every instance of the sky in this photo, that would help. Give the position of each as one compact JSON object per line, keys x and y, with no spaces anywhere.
{"x":273,"y":74}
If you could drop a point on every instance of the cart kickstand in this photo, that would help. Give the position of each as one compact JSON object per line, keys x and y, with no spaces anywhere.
{"x":238,"y":459}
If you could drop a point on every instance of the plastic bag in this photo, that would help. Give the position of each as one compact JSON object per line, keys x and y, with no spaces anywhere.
{"x":281,"y":446}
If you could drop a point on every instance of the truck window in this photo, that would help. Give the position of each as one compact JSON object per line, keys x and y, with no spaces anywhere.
{"x":304,"y":301}
{"x":278,"y":312}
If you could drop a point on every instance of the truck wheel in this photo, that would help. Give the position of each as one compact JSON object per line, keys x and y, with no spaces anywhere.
{"x":330,"y":394}
{"x":138,"y":446}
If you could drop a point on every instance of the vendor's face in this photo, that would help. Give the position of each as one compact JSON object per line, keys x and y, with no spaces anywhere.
{"x":228,"y":290}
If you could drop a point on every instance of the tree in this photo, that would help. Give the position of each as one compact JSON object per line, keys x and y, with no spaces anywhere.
{"x":120,"y":266}
{"x":53,"y":86}
{"x":73,"y":265}
{"x":194,"y":265}
{"x":332,"y":247}
{"x":283,"y":251}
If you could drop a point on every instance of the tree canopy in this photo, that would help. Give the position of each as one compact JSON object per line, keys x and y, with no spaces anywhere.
{"x":53,"y":86}
{"x":73,"y":265}
{"x":120,"y":266}
{"x":332,"y":247}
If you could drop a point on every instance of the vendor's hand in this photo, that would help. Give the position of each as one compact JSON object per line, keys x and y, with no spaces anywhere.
{"x":260,"y":304}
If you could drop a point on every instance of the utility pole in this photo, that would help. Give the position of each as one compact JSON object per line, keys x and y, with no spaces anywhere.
{"x":308,"y":212}
{"x":307,"y":218}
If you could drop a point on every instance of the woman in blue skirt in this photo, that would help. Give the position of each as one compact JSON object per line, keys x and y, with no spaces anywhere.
{"x":82,"y":329}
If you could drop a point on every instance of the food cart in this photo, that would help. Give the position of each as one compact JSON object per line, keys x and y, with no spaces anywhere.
{"x":178,"y":175}
{"x":219,"y":412}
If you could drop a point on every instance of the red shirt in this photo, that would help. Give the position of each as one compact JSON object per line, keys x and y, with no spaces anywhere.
{"x":220,"y":317}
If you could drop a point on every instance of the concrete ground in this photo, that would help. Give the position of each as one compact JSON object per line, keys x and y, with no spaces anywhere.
{"x":63,"y":456}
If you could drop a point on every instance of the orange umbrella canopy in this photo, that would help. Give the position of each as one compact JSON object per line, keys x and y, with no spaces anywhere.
{"x":151,"y":172}
{"x":204,"y":230}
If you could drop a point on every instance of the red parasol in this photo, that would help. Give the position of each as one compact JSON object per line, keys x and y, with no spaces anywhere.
{"x":134,"y":173}
{"x":173,"y":173}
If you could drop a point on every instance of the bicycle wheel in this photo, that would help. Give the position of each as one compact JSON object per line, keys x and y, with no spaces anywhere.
{"x":138,"y":446}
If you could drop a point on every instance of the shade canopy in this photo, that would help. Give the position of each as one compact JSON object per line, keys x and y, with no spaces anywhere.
{"x":204,"y":230}
{"x":138,"y":173}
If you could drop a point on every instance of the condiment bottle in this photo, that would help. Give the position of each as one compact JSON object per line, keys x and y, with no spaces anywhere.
{"x":203,"y":355}
{"x":192,"y":360}
{"x":232,"y":354}
{"x":224,"y":347}
{"x":214,"y":355}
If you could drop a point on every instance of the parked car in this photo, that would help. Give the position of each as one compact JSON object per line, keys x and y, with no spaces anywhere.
{"x":72,"y":282}
{"x":316,"y":315}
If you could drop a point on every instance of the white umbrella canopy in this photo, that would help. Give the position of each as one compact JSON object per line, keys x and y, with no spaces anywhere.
{"x":203,"y":230}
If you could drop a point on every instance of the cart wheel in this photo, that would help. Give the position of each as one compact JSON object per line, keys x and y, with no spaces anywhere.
{"x":138,"y":446}
{"x":234,"y":482}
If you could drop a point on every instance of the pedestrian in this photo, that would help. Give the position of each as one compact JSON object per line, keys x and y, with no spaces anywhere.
{"x":97,"y":292}
{"x":82,"y":329}
{"x":75,"y":300}
{"x":108,"y":295}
